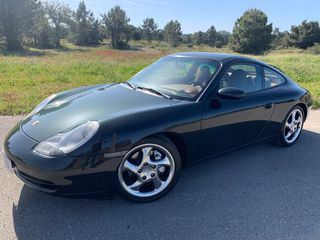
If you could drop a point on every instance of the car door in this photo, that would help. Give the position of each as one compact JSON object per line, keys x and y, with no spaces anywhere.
{"x":273,"y":88}
{"x":229,"y":123}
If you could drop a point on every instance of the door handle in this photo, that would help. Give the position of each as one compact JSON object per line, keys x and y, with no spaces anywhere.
{"x":268,"y":105}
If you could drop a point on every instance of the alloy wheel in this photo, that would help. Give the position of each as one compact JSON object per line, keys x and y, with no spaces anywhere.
{"x":293,"y":126}
{"x":146,"y":170}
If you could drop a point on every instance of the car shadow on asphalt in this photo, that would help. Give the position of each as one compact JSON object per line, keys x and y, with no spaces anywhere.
{"x":260,"y":192}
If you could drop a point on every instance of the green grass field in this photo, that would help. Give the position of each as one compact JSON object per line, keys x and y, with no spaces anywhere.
{"x":27,"y":79}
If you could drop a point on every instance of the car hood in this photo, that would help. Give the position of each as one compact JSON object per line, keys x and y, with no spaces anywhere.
{"x":72,"y":108}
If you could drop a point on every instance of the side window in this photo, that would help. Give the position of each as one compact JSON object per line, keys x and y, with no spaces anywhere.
{"x":272,"y":78}
{"x":242,"y":76}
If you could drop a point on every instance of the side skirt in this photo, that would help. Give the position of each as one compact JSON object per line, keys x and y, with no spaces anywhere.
{"x":265,"y":139}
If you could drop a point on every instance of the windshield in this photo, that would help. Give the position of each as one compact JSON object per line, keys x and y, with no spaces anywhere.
{"x":178,"y":77}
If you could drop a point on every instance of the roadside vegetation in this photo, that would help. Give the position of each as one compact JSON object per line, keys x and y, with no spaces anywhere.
{"x":46,"y":47}
{"x":27,"y":80}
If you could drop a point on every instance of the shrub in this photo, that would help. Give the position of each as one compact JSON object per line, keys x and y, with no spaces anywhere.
{"x":315,"y":49}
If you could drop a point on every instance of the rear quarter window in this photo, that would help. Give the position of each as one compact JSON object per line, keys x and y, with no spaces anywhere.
{"x":272,"y":78}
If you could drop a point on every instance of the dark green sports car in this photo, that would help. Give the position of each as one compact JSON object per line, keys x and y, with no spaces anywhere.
{"x":134,"y":137}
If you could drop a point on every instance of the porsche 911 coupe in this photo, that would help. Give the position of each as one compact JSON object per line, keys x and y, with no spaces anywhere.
{"x":134,"y":137}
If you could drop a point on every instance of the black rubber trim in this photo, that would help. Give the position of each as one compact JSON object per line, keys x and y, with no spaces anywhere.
{"x":37,"y":184}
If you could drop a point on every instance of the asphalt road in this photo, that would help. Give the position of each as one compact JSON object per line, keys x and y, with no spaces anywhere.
{"x":260,"y":192}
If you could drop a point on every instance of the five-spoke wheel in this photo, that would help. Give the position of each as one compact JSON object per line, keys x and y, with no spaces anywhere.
{"x":292,"y":126}
{"x":149,"y":170}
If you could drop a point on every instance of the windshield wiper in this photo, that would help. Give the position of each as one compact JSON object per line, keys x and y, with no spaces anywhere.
{"x":155,"y":92}
{"x":130,"y":85}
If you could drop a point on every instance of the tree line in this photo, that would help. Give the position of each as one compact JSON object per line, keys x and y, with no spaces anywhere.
{"x":44,"y":24}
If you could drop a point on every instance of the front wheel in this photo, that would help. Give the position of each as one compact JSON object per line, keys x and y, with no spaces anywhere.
{"x":291,"y":127}
{"x":149,"y":170}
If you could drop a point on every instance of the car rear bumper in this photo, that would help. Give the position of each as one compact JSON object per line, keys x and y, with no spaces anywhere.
{"x":63,"y":176}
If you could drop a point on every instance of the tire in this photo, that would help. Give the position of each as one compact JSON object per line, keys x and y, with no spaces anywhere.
{"x":296,"y":128}
{"x":149,"y":170}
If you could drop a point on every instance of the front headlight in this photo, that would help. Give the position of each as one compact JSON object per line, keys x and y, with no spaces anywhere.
{"x":66,"y":142}
{"x":41,"y":105}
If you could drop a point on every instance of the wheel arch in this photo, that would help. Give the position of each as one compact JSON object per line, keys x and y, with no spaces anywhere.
{"x":304,"y":108}
{"x":177,"y":141}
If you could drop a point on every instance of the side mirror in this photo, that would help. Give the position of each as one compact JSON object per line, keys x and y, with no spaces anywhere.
{"x":231,"y":93}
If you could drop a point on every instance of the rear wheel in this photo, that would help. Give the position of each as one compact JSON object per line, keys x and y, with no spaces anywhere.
{"x":291,"y":127}
{"x":149,"y":170}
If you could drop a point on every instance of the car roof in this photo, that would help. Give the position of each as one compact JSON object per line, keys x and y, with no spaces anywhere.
{"x":222,"y":57}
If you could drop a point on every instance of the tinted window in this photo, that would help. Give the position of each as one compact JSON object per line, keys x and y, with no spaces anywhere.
{"x":242,"y":76}
{"x":272,"y":78}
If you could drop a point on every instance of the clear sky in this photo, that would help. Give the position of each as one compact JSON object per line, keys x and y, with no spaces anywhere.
{"x":195,"y":15}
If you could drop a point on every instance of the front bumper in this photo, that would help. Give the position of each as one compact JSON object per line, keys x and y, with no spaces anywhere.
{"x":7,"y":162}
{"x":65,"y":175}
